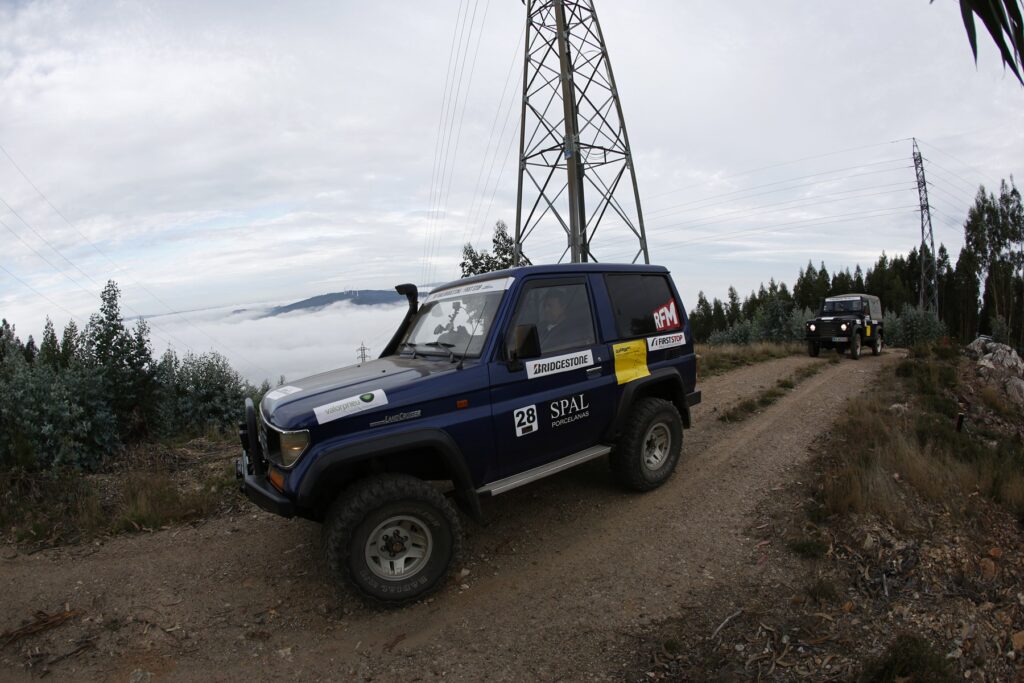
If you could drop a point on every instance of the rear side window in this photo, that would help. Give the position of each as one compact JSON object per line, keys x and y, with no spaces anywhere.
{"x":643,"y":305}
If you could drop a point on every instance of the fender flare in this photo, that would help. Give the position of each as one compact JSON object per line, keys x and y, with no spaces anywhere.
{"x":436,"y":440}
{"x":637,"y":387}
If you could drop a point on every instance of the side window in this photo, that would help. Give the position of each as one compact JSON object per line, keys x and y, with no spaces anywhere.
{"x":643,"y":305}
{"x":561,"y":315}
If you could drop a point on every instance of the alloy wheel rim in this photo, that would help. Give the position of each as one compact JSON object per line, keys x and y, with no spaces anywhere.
{"x":657,"y":446}
{"x":398,"y":548}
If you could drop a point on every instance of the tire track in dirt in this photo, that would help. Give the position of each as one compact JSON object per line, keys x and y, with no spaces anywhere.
{"x":561,"y":575}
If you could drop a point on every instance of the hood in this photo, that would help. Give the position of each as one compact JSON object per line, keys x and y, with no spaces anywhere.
{"x":346,"y":391}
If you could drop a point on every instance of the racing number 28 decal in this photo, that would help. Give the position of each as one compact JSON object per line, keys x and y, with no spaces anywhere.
{"x":525,"y":419}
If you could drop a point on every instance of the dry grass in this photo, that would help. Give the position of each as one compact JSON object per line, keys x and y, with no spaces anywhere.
{"x":919,"y":447}
{"x":909,"y":658}
{"x":45,"y":509}
{"x":996,"y":401}
{"x":715,"y":360}
{"x":745,"y":408}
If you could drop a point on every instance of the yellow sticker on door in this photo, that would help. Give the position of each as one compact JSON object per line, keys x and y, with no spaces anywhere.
{"x":630,"y":360}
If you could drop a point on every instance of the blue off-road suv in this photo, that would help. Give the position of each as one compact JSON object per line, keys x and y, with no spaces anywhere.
{"x":489,"y":383}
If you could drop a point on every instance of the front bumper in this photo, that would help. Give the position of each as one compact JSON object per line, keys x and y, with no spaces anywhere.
{"x":258,"y":490}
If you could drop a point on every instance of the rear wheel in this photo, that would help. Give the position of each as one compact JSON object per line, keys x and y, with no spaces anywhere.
{"x":855,"y":345}
{"x":813,"y":349}
{"x":646,"y":455}
{"x":393,"y":538}
{"x":876,"y":347}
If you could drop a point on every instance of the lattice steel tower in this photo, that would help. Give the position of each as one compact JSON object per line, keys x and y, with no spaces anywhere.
{"x":575,"y":169}
{"x":929,"y":289}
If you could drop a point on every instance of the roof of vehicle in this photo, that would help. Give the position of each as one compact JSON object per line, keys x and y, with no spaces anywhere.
{"x":847,"y":296}
{"x":559,"y":269}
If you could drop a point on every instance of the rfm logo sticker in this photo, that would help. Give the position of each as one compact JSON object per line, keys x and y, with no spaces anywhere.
{"x":666,"y":317}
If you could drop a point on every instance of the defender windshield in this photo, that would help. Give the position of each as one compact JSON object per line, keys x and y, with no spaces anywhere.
{"x":455,"y":321}
{"x":840,"y":306}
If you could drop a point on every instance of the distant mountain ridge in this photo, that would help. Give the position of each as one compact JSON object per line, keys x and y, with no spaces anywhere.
{"x":359,"y":297}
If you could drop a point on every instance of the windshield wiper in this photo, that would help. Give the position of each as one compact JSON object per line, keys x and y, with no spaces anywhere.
{"x":412,"y":345}
{"x":448,"y":347}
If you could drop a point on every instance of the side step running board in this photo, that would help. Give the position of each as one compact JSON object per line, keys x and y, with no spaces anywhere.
{"x":547,"y":469}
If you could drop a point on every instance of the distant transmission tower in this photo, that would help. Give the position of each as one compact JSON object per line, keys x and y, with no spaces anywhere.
{"x":575,"y":168}
{"x":363,"y":352}
{"x":929,"y":289}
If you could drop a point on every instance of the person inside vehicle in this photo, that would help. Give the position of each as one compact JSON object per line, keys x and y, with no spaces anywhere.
{"x":556,"y":332}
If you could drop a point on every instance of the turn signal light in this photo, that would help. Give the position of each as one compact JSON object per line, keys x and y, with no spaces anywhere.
{"x":276,"y":478}
{"x":462,"y":403}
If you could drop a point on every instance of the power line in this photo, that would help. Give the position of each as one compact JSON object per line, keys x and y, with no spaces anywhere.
{"x":790,"y":187}
{"x":780,"y":164}
{"x":60,"y":271}
{"x":799,"y":202}
{"x":462,"y":118}
{"x":452,"y":108}
{"x":116,"y":268}
{"x":43,"y":296}
{"x":471,"y":215}
{"x":449,"y":73}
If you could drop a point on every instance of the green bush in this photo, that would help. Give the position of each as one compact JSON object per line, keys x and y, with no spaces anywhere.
{"x":77,"y":402}
{"x":913,"y":327}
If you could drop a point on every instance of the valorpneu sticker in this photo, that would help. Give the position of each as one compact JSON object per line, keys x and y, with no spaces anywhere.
{"x":350,"y":406}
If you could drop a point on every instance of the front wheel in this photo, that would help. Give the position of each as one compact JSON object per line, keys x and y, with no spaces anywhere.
{"x":855,"y":346}
{"x":646,"y":455}
{"x":393,"y":538}
{"x":813,"y":349}
{"x":876,"y":348}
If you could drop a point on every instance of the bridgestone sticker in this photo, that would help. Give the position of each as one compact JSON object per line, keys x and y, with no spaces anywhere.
{"x":350,"y":406}
{"x":666,"y":341}
{"x":557,"y":364}
{"x":525,"y":420}
{"x":498,"y":285}
{"x":281,"y":392}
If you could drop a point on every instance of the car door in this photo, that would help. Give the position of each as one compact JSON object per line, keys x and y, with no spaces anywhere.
{"x":556,"y":399}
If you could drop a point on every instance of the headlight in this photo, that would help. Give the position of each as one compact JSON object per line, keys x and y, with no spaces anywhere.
{"x":843,"y":327}
{"x":813,"y":328}
{"x":292,"y":446}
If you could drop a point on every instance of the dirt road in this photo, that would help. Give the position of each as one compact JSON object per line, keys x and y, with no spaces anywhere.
{"x":553,"y":587}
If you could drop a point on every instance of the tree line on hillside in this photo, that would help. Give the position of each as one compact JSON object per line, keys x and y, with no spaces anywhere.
{"x":982,"y":293}
{"x":79,"y":399}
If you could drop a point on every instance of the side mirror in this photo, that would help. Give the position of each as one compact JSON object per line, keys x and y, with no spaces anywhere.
{"x":522,"y":342}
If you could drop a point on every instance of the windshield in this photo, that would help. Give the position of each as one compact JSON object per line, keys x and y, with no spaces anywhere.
{"x":840,"y":306}
{"x":455,"y":321}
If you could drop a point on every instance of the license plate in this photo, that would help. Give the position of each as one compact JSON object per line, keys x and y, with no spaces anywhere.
{"x":838,"y":339}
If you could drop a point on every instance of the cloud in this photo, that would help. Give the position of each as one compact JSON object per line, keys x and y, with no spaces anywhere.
{"x":217,"y":153}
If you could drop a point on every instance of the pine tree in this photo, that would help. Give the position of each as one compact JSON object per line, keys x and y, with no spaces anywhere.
{"x":49,"y":349}
{"x":69,"y":344}
{"x":733,"y":312}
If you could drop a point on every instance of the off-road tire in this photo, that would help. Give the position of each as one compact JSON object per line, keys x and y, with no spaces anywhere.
{"x":855,"y":345}
{"x":628,"y":461}
{"x":370,"y":502}
{"x":813,"y":349}
{"x":876,"y":347}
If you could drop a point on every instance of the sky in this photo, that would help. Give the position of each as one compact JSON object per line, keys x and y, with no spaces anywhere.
{"x":213,"y":155}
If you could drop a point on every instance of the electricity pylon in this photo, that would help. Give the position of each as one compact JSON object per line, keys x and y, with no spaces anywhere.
{"x":363,"y":352}
{"x":575,"y":168}
{"x":928,"y":297}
